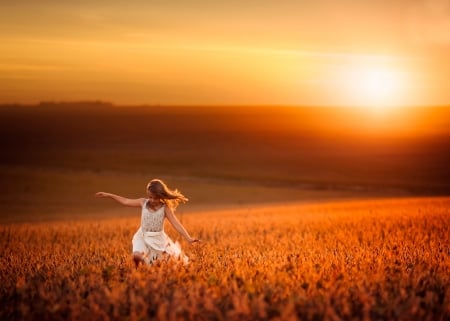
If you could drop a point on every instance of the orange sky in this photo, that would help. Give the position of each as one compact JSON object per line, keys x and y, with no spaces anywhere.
{"x":228,"y":52}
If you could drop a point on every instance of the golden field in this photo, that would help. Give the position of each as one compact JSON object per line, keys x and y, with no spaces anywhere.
{"x":305,"y":213}
{"x":354,"y":260}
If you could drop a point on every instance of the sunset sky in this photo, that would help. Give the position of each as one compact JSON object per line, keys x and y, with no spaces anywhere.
{"x":368,"y":53}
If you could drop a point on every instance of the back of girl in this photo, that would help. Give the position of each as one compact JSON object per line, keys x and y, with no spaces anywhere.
{"x":150,"y":242}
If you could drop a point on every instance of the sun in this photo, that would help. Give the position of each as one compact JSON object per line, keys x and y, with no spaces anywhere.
{"x":378,"y":88}
{"x":377,"y":84}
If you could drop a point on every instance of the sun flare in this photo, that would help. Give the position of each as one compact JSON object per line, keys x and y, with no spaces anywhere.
{"x":374,"y":87}
{"x":378,"y":84}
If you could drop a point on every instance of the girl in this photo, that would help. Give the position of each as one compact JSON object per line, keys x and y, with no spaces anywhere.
{"x":150,"y":241}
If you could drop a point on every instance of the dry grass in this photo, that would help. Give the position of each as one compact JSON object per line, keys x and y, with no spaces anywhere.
{"x":362,"y":260}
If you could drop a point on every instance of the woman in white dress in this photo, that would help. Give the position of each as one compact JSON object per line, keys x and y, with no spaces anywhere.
{"x":150,"y":242}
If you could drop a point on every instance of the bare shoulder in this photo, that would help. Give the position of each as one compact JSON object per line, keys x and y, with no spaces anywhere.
{"x":168,"y":211}
{"x":138,"y":202}
{"x":142,"y":201}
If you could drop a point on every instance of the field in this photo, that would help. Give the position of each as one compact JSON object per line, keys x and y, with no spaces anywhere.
{"x":353,"y":260}
{"x":54,"y":157}
{"x":304,"y":213}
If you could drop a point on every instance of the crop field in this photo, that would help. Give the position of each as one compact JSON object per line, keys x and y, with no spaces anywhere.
{"x":354,"y":260}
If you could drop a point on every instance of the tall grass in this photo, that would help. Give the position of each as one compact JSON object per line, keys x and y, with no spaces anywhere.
{"x":365,"y":260}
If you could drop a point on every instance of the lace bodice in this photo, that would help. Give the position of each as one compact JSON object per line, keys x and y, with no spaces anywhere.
{"x":152,"y":221}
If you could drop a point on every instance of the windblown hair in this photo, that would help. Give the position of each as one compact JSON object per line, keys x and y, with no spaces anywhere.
{"x":169,"y":197}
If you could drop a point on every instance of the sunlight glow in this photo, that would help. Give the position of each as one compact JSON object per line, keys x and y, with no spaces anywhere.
{"x":375,"y":87}
{"x":378,"y":84}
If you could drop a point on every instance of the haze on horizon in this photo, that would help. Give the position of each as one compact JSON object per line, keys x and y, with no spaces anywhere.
{"x":202,"y":52}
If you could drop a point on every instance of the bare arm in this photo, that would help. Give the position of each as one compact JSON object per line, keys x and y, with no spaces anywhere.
{"x":122,"y":200}
{"x":177,"y":225}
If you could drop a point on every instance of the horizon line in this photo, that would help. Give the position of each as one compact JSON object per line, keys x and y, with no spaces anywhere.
{"x":106,"y":103}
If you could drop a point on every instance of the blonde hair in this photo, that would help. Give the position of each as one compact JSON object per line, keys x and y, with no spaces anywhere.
{"x":169,"y":197}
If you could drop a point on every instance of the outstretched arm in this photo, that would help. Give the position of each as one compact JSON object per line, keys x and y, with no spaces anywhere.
{"x":177,"y":225}
{"x":122,"y":200}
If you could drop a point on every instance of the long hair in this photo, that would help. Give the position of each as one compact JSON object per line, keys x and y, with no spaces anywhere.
{"x":169,"y":197}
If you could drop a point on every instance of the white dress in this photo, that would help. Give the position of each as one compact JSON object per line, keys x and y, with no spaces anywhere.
{"x":151,"y":239}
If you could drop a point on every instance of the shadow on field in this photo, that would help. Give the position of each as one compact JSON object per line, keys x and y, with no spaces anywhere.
{"x":56,"y":156}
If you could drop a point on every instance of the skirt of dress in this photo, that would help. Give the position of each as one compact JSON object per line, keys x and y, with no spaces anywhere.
{"x":155,"y":244}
